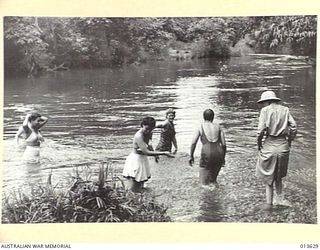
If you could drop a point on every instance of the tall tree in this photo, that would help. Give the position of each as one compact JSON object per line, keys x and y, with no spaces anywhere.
{"x":298,"y":32}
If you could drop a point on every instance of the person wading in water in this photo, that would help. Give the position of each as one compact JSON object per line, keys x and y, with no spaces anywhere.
{"x":276,"y":130}
{"x":213,"y":149}
{"x":168,"y":133}
{"x":137,"y":168}
{"x":30,"y":131}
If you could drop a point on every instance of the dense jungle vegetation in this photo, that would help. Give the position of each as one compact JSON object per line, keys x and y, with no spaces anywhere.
{"x":39,"y":44}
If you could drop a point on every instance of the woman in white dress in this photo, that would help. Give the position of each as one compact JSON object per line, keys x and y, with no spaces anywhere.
{"x":30,"y":132}
{"x":136,"y":168}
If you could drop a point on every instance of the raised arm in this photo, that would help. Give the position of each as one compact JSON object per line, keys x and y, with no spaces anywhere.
{"x":163,"y":124}
{"x":43,"y":121}
{"x":26,"y":121}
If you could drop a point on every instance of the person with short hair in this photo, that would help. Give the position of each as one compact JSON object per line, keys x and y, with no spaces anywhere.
{"x":136,"y":168}
{"x":213,"y":149}
{"x":30,"y":132}
{"x":276,"y":130}
{"x":168,"y":133}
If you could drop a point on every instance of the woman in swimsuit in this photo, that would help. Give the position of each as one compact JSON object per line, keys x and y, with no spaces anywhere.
{"x":136,"y":168}
{"x":213,"y":150}
{"x":30,"y":131}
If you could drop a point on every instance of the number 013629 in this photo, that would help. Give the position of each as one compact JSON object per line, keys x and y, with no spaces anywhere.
{"x":310,"y":246}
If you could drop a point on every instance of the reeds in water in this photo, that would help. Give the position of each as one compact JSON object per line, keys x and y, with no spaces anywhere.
{"x":84,"y":201}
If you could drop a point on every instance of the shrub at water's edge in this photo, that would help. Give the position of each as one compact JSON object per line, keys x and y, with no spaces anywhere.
{"x":33,"y":45}
{"x":83,"y":201}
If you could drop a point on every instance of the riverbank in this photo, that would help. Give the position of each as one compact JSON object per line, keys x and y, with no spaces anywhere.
{"x":83,"y":200}
{"x":239,"y":196}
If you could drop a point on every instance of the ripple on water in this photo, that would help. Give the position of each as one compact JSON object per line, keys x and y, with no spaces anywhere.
{"x":98,"y":121}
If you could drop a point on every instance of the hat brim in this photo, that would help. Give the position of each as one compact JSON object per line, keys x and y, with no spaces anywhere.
{"x":269,"y":99}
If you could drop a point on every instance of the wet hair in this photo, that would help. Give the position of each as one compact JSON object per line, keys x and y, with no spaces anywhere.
{"x":150,"y":121}
{"x":34,"y":116}
{"x":208,"y":115}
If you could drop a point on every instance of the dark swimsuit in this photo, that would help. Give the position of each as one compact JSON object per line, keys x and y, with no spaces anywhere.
{"x":212,"y":158}
{"x":166,"y":137}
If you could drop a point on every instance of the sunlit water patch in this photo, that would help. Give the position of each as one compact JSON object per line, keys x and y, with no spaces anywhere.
{"x":93,"y":115}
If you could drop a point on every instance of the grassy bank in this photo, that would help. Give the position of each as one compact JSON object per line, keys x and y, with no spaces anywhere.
{"x":82,"y":201}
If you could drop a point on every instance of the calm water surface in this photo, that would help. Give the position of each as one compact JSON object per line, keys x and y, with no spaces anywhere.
{"x":93,"y":115}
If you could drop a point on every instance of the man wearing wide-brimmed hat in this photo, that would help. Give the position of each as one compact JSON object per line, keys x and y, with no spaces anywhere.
{"x":276,"y":130}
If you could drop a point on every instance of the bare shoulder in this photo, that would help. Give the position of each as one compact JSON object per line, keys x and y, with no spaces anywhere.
{"x":137,"y":135}
{"x":216,"y":125}
{"x":141,"y":138}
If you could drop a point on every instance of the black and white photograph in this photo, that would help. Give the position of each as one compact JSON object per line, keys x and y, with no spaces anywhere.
{"x":159,"y":119}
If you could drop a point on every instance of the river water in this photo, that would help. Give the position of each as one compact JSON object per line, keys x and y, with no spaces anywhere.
{"x":93,"y":115}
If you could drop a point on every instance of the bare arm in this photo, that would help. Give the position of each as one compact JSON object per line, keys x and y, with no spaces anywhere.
{"x":193,"y":146}
{"x":144,"y":149}
{"x":18,"y":134}
{"x":43,"y":121}
{"x":261,"y":134}
{"x":150,"y":147}
{"x":162,"y":125}
{"x":175,"y":144}
{"x":223,"y":141}
{"x":26,"y":121}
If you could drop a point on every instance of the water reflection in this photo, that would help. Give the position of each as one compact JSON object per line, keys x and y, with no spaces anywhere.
{"x":93,"y":115}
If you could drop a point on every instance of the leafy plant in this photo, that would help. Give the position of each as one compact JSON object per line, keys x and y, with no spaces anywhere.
{"x":83,"y":201}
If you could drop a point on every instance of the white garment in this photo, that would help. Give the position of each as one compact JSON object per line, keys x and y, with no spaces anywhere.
{"x":137,"y":166}
{"x":31,"y":154}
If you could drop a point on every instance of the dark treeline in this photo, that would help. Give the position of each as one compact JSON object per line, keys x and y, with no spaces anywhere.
{"x":39,"y":44}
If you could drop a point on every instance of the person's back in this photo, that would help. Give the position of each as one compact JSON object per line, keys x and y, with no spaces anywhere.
{"x":275,"y":119}
{"x":213,"y":149}
{"x":276,"y":130}
{"x":209,"y":131}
